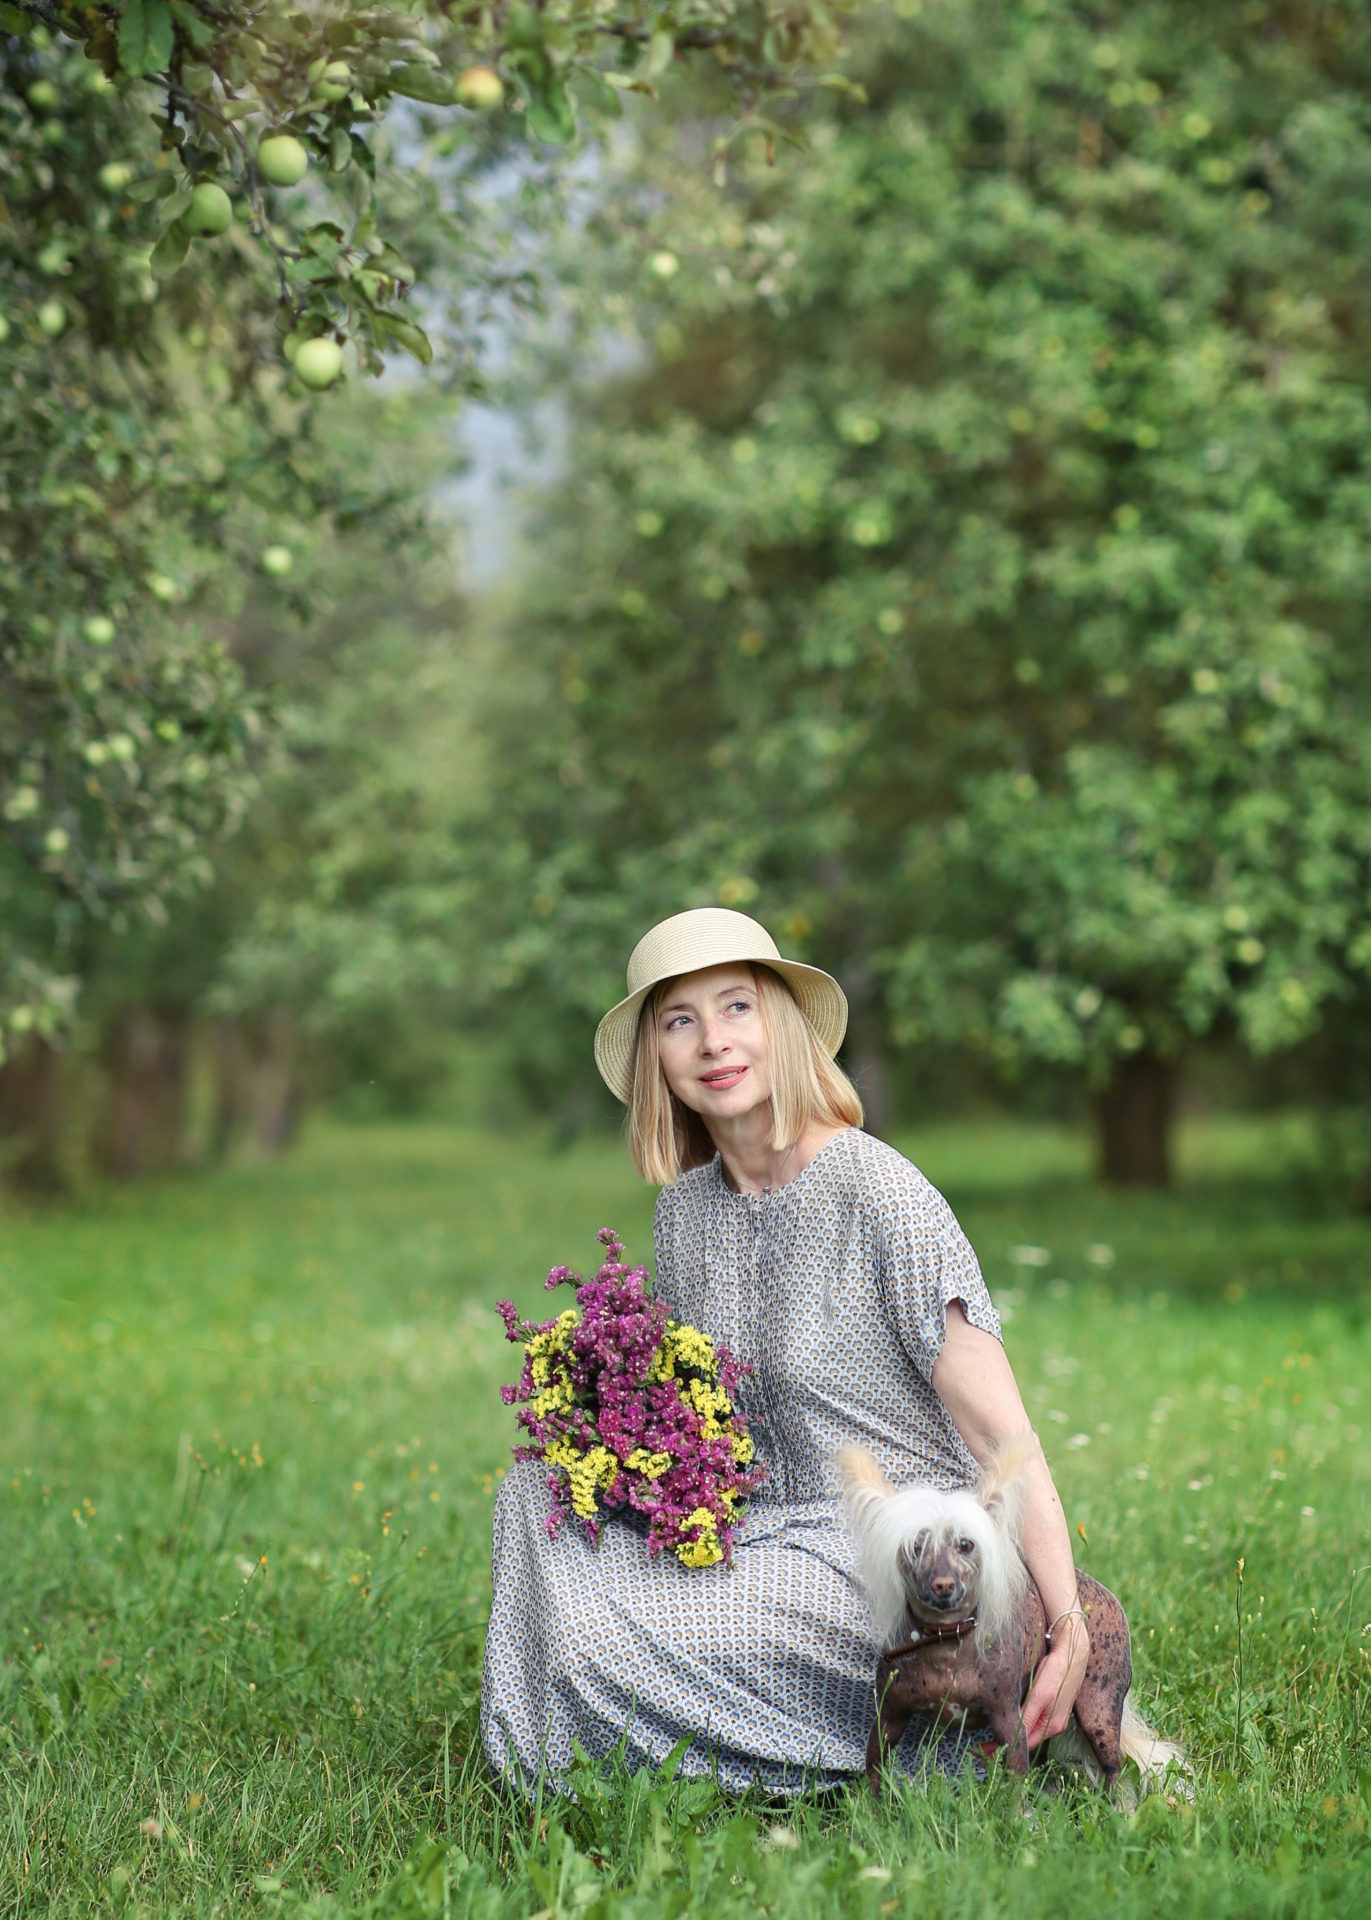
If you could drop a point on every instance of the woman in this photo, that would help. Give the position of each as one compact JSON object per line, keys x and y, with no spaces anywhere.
{"x":827,"y":1261}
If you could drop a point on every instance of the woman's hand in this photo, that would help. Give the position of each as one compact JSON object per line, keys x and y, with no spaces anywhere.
{"x":1056,"y":1682}
{"x":976,"y":1385}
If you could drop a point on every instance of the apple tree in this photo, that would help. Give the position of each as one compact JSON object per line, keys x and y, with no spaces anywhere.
{"x":203,"y":203}
{"x":277,"y":114}
{"x":976,"y":583}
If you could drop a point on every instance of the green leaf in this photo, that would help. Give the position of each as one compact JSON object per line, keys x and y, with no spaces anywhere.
{"x":549,"y":111}
{"x":422,"y":83}
{"x":172,"y":207}
{"x":405,"y":334}
{"x":14,"y":20}
{"x":310,"y":269}
{"x":591,"y":89}
{"x":169,"y":252}
{"x":201,"y":34}
{"x":145,"y":37}
{"x":156,"y":187}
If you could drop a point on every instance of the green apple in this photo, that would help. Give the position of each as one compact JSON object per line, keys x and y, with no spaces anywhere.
{"x":52,"y":318}
{"x":292,"y":343}
{"x":319,"y":362}
{"x":210,"y":210}
{"x":335,"y":80}
{"x":480,"y":88}
{"x":42,"y":96}
{"x":115,"y":175}
{"x":277,"y":560}
{"x":282,"y":160}
{"x":99,"y":629}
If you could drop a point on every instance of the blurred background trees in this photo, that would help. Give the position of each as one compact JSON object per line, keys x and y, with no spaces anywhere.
{"x":964,"y":571}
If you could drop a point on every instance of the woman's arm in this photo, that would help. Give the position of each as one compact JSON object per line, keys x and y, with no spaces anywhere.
{"x":976,"y":1384}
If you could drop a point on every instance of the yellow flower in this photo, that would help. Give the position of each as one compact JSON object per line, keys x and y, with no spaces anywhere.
{"x":742,"y":1449}
{"x":588,"y":1474}
{"x":711,"y":1403}
{"x":705,"y":1551}
{"x":692,"y":1348}
{"x":651,"y":1465}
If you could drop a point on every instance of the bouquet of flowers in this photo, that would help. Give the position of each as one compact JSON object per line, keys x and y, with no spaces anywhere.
{"x":631,"y":1409}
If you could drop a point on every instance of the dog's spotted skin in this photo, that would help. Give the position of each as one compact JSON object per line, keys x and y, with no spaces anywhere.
{"x":947,"y":1681}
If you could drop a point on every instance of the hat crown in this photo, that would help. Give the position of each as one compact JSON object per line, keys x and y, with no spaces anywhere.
{"x":701,"y":937}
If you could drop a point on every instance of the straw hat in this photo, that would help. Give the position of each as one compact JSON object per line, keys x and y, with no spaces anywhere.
{"x":707,"y":937}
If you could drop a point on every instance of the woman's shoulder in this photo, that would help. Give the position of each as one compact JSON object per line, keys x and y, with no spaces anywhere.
{"x":688,"y":1191}
{"x":882,"y":1172}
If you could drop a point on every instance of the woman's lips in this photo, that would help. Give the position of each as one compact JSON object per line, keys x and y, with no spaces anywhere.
{"x":722,"y":1078}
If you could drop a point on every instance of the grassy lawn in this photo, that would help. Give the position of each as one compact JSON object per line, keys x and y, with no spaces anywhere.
{"x":250,"y":1434}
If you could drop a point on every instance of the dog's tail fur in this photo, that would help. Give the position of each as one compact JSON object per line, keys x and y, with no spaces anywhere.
{"x":1151,"y":1755}
{"x":1159,"y":1762}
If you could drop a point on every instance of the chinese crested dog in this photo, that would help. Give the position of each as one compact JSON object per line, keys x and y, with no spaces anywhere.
{"x":962,"y":1627}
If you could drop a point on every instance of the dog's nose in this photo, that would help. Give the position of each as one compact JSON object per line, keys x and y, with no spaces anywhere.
{"x":943,"y":1586}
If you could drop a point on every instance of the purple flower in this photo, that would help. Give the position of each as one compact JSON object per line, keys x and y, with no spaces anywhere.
{"x":608,"y":1395}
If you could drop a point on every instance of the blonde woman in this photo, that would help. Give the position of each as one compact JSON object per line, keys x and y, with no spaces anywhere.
{"x":826,"y":1260}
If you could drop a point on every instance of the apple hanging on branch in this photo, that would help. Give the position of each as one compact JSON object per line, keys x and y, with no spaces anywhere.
{"x":272,"y":110}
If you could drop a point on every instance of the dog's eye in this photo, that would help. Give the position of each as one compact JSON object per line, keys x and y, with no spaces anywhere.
{"x":966,"y":1547}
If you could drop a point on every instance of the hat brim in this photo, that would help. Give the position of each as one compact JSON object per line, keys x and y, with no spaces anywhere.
{"x":817,"y":994}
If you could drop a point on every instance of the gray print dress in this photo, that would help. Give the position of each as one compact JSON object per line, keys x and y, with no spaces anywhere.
{"x":834,"y":1287}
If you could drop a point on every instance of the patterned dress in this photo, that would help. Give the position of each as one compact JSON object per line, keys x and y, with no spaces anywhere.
{"x":835,"y":1288}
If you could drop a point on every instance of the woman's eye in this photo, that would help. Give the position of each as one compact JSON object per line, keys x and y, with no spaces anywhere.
{"x":741,"y":1006}
{"x":678,"y":1020}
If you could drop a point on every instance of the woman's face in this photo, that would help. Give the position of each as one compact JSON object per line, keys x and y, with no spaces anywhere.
{"x":712,"y":1042}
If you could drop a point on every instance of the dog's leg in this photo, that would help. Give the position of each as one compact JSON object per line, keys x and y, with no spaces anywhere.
{"x":1100,"y":1702}
{"x":1006,"y":1723}
{"x":889,"y":1730}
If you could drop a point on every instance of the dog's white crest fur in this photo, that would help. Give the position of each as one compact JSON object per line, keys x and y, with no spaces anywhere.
{"x":884,"y":1519}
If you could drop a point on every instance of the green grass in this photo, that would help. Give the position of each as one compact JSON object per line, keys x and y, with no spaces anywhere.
{"x":250,"y":1438}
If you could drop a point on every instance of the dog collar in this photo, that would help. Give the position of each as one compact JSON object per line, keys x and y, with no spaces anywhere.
{"x":947,"y":1630}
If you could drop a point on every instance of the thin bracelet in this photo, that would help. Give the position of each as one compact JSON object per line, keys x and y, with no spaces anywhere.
{"x":1048,"y":1631}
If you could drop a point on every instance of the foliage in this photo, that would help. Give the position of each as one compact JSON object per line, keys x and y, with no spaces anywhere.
{"x":158,"y":453}
{"x":315,"y":81}
{"x":189,"y":1727}
{"x":972,"y":583}
{"x":155,"y":474}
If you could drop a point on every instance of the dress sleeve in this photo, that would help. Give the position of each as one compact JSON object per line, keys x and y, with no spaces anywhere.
{"x":926,"y":1260}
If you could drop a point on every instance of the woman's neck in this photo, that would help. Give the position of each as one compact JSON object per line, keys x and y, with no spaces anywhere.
{"x":751,"y":1164}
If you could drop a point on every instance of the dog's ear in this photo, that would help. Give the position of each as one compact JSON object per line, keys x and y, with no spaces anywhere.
{"x":1001,"y":1488}
{"x":860,"y":1473}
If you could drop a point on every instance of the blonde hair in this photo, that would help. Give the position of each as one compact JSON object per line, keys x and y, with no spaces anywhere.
{"x":666,"y":1138}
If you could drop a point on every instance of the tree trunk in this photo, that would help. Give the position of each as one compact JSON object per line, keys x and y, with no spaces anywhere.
{"x":30,"y":1118}
{"x":871,"y":1078}
{"x":1135,"y":1112}
{"x":275,"y":1095}
{"x":145,"y":1058}
{"x":256,"y":1084}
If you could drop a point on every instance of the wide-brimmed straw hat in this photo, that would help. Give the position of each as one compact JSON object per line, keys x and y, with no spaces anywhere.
{"x":708,"y":937}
